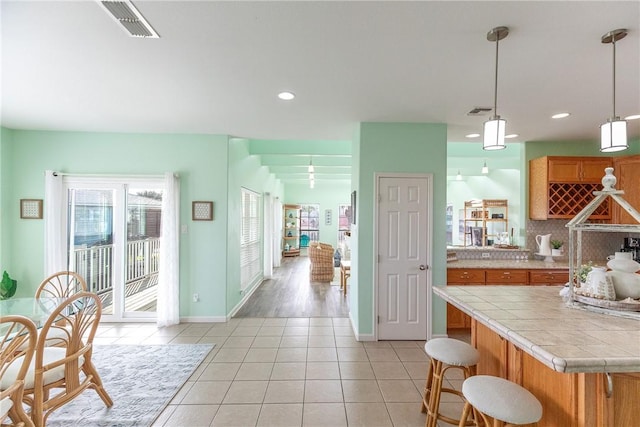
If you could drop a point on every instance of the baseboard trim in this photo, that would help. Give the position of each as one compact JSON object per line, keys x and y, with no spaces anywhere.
{"x":204,"y":319}
{"x":360,"y":337}
{"x":439,"y":336}
{"x":244,"y":299}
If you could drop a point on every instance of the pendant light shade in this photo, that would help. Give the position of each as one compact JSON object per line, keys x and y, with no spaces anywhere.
{"x":494,"y":128}
{"x":613,"y":136}
{"x":485,"y":169}
{"x":310,"y":169}
{"x":494,"y":131}
{"x":613,"y":133}
{"x":459,"y":176}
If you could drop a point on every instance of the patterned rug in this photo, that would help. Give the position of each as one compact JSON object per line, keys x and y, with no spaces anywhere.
{"x":141,"y":380}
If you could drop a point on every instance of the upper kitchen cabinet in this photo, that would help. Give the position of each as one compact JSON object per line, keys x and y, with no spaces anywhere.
{"x":627,"y":170}
{"x":560,"y":187}
{"x":577,"y":169}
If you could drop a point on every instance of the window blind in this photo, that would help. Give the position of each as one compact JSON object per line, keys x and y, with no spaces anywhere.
{"x":250,"y":243}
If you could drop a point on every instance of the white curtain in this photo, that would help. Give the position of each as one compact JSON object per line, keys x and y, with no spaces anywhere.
{"x":55,"y":250}
{"x":168,"y":310}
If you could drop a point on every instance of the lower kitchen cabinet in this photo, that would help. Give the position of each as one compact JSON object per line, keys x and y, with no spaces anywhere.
{"x":507,"y":277}
{"x":456,"y":319}
{"x":568,"y":400}
{"x":548,"y":277}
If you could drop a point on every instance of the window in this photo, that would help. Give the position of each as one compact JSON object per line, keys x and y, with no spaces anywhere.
{"x":250,"y":264}
{"x":344,"y":221}
{"x":310,"y":222}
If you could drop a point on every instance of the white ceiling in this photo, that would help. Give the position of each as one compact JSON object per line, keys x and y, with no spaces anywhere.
{"x":218,"y":66}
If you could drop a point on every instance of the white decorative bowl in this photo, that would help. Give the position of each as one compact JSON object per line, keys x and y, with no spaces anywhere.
{"x":626,"y":265}
{"x":627,"y":285}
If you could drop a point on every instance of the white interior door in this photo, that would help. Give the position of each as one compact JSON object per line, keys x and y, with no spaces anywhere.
{"x":403,"y":244}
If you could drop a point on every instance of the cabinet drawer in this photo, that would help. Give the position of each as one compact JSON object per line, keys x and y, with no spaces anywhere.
{"x":506,"y":277}
{"x":465,"y":276}
{"x":548,"y":277}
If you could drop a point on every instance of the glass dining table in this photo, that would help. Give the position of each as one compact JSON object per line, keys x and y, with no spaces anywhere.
{"x":36,"y":309}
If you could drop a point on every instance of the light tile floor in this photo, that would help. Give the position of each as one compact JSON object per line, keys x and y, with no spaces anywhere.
{"x":291,"y":372}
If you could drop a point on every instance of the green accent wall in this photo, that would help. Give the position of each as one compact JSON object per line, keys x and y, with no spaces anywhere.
{"x":397,"y":148}
{"x":203,"y":162}
{"x":245,"y":171}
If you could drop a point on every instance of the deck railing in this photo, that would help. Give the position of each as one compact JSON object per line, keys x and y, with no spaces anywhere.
{"x":95,"y":263}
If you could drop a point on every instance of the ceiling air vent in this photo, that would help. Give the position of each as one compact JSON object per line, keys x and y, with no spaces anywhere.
{"x":480,"y":111}
{"x":126,"y":14}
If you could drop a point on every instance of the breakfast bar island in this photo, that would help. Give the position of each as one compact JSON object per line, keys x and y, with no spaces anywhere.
{"x":583,"y":366}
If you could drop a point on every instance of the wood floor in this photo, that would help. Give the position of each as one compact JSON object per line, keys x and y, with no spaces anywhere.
{"x":290,"y":294}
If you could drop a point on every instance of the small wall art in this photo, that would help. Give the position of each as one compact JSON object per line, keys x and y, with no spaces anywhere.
{"x":31,"y":208}
{"x":202,"y":211}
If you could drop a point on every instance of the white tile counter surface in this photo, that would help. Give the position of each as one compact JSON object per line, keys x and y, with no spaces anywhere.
{"x":536,"y":319}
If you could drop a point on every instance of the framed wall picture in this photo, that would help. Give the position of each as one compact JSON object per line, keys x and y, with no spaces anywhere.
{"x":31,"y":208}
{"x":202,"y":211}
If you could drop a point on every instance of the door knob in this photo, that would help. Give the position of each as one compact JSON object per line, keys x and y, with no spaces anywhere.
{"x":422,"y":267}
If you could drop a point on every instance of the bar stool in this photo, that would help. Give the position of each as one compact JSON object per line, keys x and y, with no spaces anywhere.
{"x":445,"y":354}
{"x":501,"y":400}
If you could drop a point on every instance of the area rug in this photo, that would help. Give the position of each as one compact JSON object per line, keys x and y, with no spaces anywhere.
{"x":141,"y":380}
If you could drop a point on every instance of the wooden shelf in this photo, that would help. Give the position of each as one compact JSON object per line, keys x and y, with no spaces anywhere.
{"x":479,"y":213}
{"x":291,"y":230}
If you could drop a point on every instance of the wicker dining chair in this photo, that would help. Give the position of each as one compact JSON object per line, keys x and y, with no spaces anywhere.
{"x":65,"y":371}
{"x":62,"y":284}
{"x":17,"y":344}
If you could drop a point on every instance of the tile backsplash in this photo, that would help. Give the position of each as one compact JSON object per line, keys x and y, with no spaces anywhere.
{"x":596,"y":246}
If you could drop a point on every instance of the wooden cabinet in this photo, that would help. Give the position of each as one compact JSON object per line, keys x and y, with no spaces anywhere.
{"x":618,"y":406}
{"x":291,"y":230}
{"x":456,"y":319}
{"x":548,"y":277}
{"x":627,"y":171}
{"x":568,"y":400}
{"x":492,"y":348}
{"x":577,"y":169}
{"x":560,"y":187}
{"x":506,"y":277}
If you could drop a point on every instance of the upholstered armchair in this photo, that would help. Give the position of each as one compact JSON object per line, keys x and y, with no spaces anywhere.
{"x":321,"y":256}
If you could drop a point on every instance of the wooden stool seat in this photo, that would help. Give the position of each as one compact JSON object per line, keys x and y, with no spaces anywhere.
{"x":502,"y":400}
{"x":445,"y":354}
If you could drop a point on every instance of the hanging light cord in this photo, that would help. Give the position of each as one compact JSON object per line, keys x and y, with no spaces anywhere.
{"x":495,"y":88}
{"x":613,"y":42}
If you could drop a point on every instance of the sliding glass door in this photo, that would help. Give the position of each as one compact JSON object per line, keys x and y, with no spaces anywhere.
{"x":113,"y":241}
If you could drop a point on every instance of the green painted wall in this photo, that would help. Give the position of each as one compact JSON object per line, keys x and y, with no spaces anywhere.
{"x":200,"y":160}
{"x":328,"y":194}
{"x":398,"y":148}
{"x":244,"y":171}
{"x":6,"y":136}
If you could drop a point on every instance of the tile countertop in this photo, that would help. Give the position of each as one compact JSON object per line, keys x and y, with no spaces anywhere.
{"x":536,"y":319}
{"x":507,"y":263}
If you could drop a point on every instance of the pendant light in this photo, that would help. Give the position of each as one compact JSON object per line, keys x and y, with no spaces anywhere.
{"x":485,"y":169}
{"x":494,"y":128}
{"x":459,"y":176}
{"x":613,"y":133}
{"x":310,"y":169}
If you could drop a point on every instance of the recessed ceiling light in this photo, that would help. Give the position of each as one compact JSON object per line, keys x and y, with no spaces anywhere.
{"x":286,"y":96}
{"x":560,"y":115}
{"x":633,"y":117}
{"x":512,"y":135}
{"x":472,"y":135}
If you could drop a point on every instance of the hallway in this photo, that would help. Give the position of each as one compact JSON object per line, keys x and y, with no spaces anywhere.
{"x":290,"y":294}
